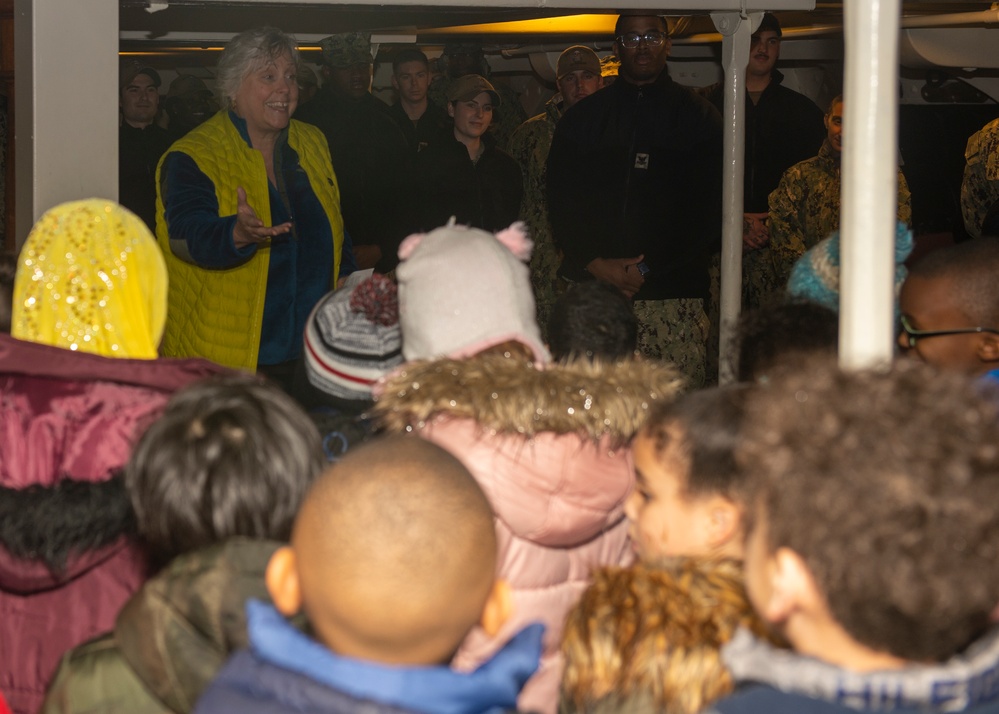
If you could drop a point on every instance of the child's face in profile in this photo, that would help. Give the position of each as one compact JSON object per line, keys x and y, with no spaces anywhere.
{"x":665,"y":520}
{"x":928,"y":304}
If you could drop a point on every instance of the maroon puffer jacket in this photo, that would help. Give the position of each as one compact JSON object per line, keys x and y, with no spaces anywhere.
{"x":68,"y":421}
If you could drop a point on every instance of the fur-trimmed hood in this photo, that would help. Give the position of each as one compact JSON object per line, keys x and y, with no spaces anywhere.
{"x":511,"y":396}
{"x":545,"y":444}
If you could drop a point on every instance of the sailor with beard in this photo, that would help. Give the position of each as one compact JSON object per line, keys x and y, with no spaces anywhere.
{"x":782,"y":127}
{"x":805,"y":206}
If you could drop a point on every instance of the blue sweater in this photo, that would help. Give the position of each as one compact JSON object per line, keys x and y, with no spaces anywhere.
{"x":285,"y":671}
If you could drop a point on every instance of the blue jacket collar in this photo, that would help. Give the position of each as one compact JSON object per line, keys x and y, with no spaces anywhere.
{"x":240,"y":124}
{"x":432,"y":689}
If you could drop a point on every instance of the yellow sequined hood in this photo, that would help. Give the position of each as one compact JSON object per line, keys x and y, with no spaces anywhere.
{"x":91,"y":278}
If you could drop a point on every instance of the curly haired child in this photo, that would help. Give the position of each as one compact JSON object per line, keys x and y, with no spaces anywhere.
{"x":872,"y":544}
{"x":648,"y":638}
{"x":687,"y":499}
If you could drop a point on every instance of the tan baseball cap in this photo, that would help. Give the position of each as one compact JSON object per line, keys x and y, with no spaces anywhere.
{"x":469,"y":87}
{"x":575,"y":58}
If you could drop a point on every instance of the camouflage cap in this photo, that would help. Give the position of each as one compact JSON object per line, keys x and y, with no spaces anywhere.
{"x":346,"y":49}
{"x":132,"y":69}
{"x":576,"y":58}
{"x":469,"y":87}
{"x":186,"y":85}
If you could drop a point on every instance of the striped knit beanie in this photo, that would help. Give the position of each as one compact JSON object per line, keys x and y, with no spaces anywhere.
{"x":352,"y":338}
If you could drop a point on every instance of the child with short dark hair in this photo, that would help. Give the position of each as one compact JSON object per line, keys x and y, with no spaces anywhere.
{"x":393,"y":560}
{"x":648,"y":638}
{"x":215,"y":483}
{"x":592,"y":320}
{"x":872,"y":544}
{"x":778,"y":337}
{"x":950,"y":309}
{"x":688,"y":498}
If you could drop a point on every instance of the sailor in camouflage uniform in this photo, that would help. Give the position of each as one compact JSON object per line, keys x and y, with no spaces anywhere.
{"x":980,"y":188}
{"x":464,"y":58}
{"x":578,"y":75}
{"x":805,"y":206}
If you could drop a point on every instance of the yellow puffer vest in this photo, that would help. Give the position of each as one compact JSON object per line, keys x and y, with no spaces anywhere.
{"x":217,"y":314}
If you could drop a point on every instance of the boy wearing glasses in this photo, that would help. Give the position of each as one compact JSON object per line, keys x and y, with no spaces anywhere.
{"x":950,"y":309}
{"x":651,"y":150}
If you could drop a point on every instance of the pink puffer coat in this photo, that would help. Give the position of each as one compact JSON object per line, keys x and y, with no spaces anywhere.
{"x":549,"y":448}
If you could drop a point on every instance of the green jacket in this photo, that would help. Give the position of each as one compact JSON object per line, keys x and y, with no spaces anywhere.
{"x":170,"y":639}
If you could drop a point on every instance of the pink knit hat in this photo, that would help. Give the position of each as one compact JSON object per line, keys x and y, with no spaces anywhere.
{"x":463,"y":290}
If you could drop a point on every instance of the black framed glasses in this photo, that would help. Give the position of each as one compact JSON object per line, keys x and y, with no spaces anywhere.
{"x":915,"y":335}
{"x":632,"y":39}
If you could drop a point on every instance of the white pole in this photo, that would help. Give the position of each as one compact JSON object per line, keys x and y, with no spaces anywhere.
{"x":736,"y":34}
{"x":66,"y":117}
{"x":869,"y":182}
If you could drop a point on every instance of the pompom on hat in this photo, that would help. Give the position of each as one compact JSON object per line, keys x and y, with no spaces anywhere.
{"x":815,"y":277}
{"x":352,"y":339}
{"x":463,"y":290}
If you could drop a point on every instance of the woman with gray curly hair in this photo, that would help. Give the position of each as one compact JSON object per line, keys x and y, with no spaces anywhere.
{"x":248,"y":215}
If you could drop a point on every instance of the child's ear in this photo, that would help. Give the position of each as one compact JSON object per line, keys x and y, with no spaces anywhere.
{"x":988,"y":347}
{"x":283,"y":583}
{"x":499,"y":607}
{"x":724,"y":525}
{"x":791,"y":587}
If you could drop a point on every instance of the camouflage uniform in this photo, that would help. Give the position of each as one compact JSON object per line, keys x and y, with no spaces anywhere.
{"x":980,"y":188}
{"x":529,"y":146}
{"x":805,"y":208}
{"x":675,"y":331}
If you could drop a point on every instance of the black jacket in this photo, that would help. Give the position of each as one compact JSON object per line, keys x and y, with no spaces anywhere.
{"x":637,"y":170}
{"x":139,"y":150}
{"x":430,"y":128}
{"x":373,"y":167}
{"x":485,"y":194}
{"x":783,"y":128}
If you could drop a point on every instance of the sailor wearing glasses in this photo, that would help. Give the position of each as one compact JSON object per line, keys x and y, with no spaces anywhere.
{"x":634,"y":189}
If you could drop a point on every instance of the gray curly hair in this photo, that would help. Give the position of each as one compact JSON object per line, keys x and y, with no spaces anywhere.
{"x":246,"y":52}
